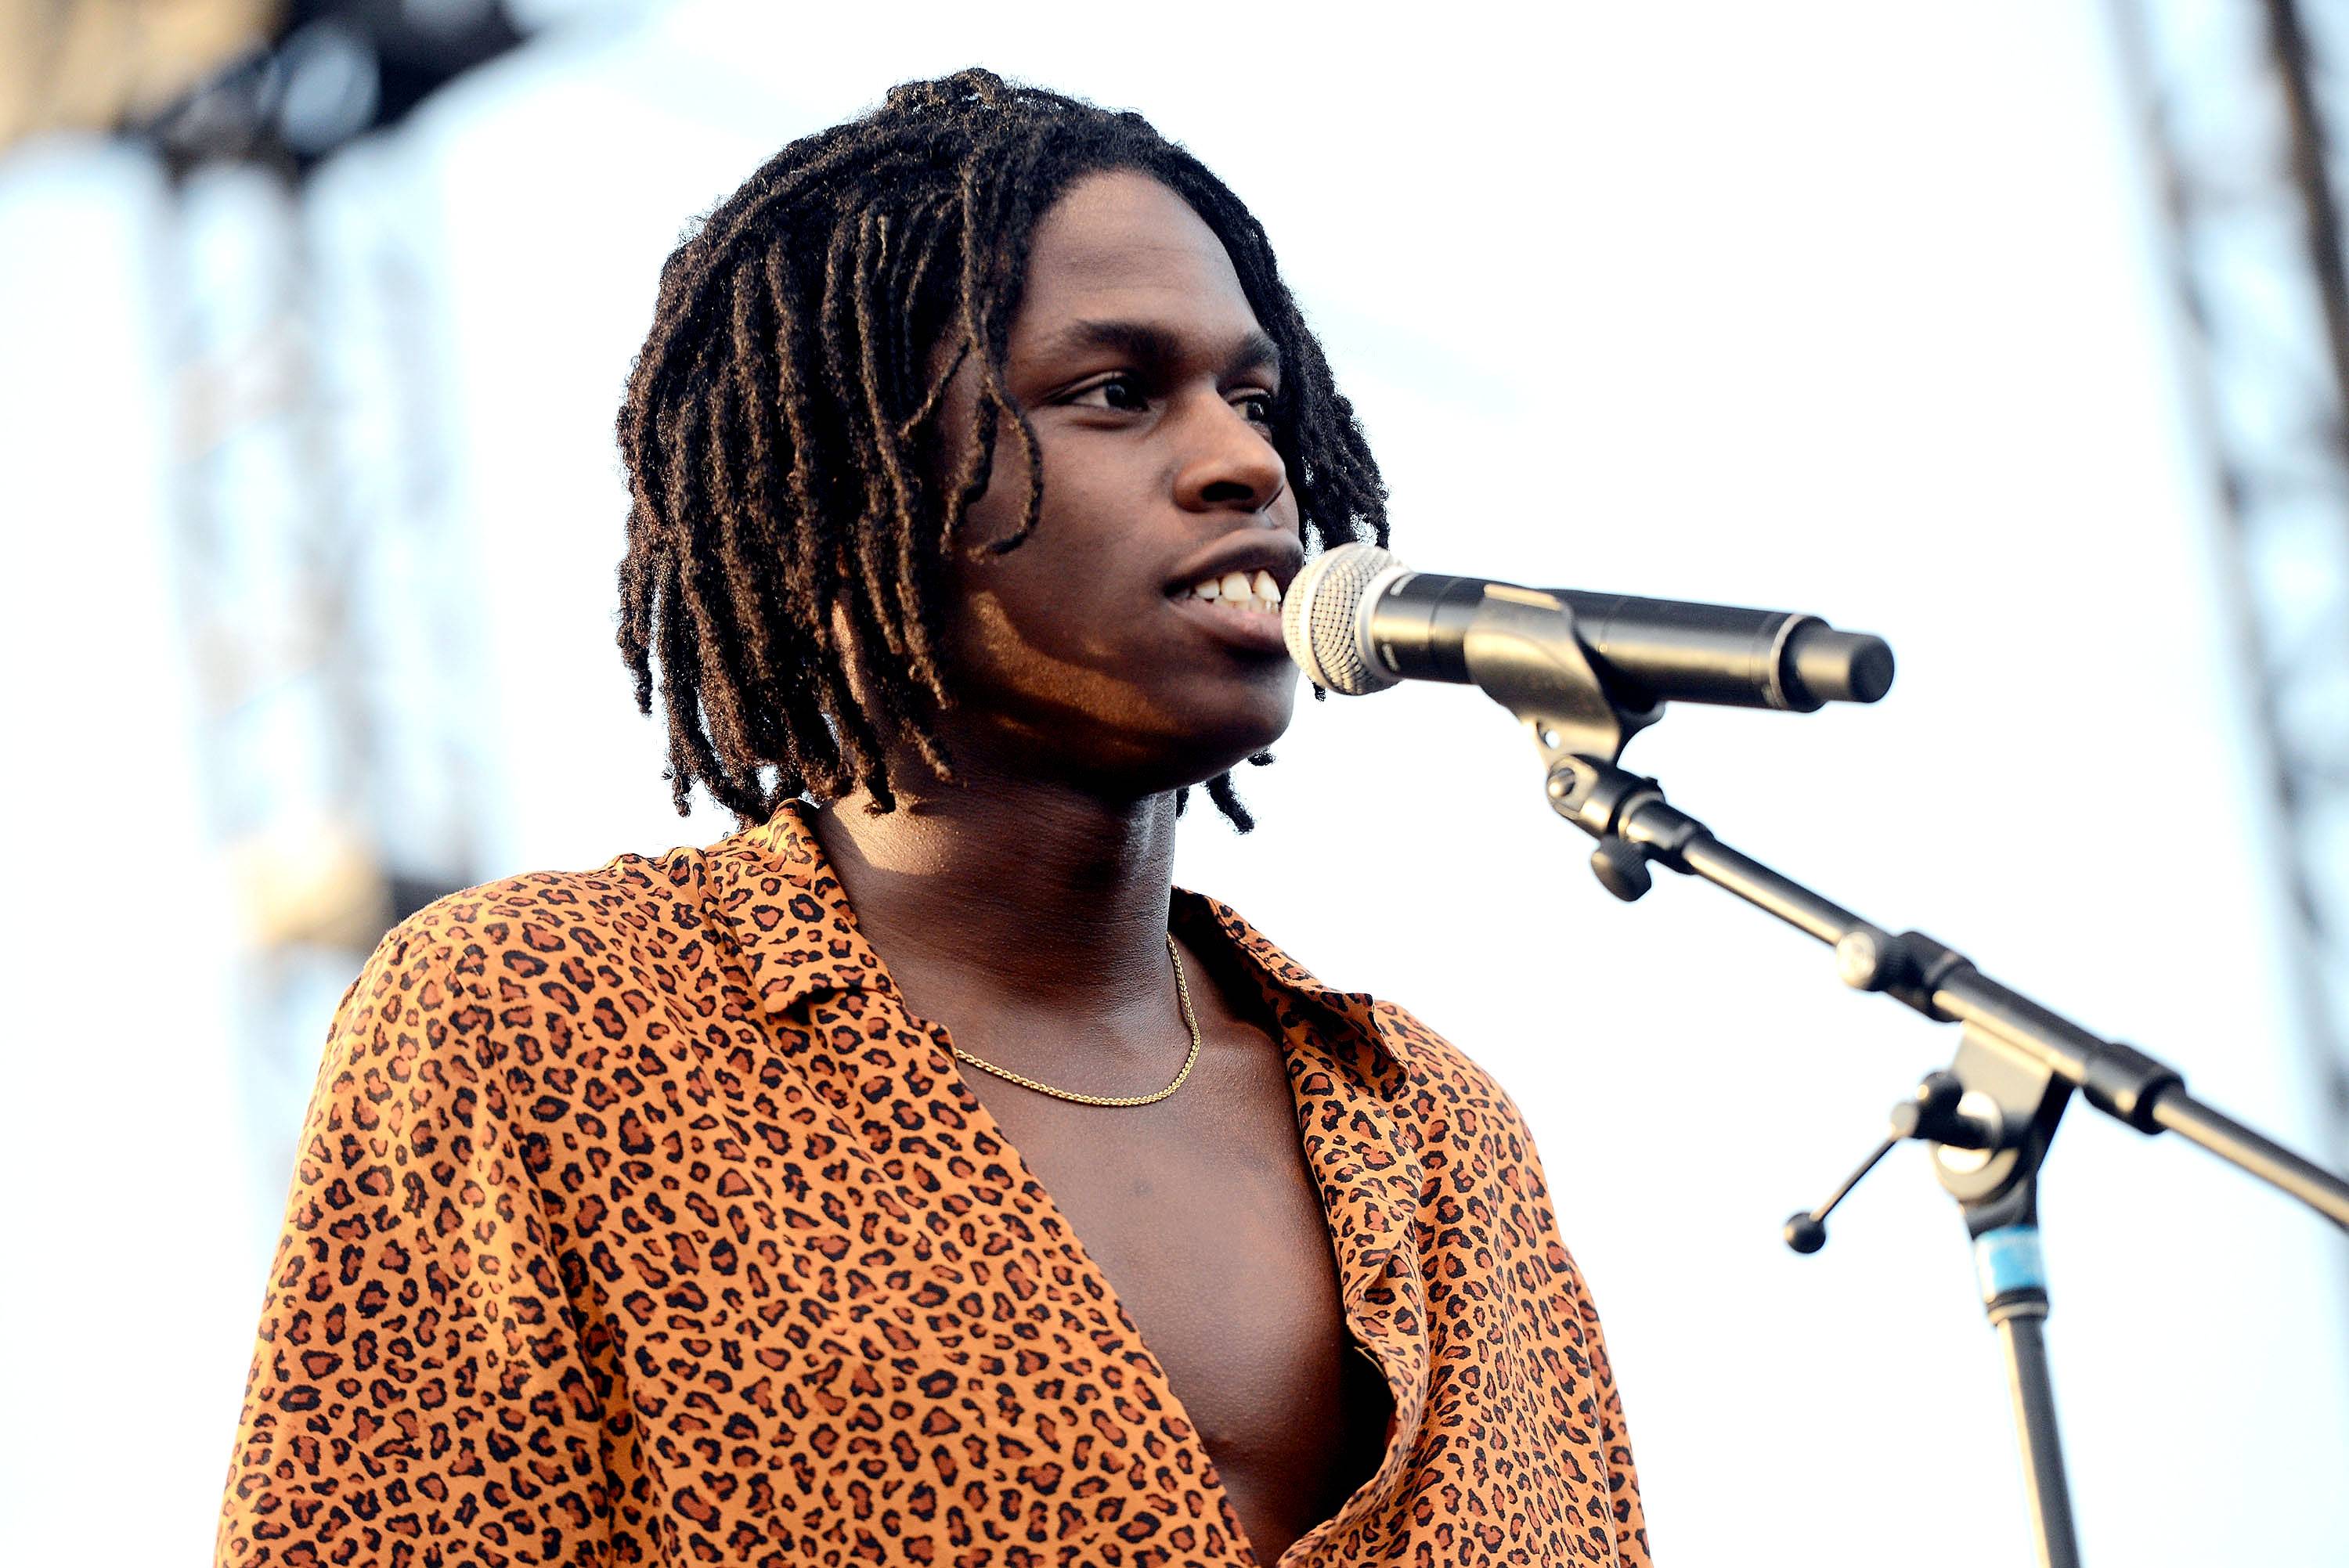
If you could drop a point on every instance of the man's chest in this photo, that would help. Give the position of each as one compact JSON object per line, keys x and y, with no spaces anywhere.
{"x":875,"y":1305}
{"x":1208,"y":1224}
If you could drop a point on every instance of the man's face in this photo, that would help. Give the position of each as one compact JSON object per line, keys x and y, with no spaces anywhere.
{"x":1081,"y":654}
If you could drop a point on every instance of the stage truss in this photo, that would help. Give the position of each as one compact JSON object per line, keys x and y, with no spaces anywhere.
{"x":2242,"y":103}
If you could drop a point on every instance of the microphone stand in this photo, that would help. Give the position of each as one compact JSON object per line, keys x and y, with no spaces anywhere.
{"x":1990,"y":1118}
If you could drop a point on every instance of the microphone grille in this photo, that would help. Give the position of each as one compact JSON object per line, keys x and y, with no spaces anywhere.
{"x":1320,"y":618}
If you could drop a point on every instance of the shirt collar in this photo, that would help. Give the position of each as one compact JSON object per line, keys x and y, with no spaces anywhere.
{"x":798,"y":937}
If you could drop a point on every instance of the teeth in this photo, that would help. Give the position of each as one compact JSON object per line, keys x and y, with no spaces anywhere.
{"x":1239,"y":590}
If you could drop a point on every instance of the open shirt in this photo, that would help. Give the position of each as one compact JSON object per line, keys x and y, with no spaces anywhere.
{"x":636,"y":1219}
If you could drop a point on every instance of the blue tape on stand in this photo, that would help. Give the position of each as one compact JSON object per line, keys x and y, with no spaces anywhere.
{"x":2007,"y":1259}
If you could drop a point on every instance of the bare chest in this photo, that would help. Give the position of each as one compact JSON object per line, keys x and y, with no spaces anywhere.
{"x":1207,"y":1224}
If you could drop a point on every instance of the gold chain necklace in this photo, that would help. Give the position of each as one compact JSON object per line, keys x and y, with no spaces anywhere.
{"x":1182,"y":992}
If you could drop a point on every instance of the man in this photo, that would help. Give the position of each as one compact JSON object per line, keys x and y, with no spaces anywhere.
{"x":915,"y":1176}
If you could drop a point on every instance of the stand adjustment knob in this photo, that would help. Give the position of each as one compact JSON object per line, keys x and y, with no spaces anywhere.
{"x":1936,"y":1101}
{"x":1621,"y":869}
{"x":1807,"y":1234}
{"x":1939,"y":1112}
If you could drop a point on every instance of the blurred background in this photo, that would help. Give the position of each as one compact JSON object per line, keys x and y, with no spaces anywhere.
{"x":2013,"y":330}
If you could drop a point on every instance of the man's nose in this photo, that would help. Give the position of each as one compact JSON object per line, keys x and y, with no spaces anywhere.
{"x":1231,"y":465}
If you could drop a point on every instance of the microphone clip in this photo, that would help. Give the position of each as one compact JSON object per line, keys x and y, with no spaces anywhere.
{"x":1579,"y":721}
{"x":1515,"y":654}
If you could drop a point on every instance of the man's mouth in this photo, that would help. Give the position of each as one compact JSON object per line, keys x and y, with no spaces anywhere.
{"x":1241,"y":609}
{"x":1238,"y":590}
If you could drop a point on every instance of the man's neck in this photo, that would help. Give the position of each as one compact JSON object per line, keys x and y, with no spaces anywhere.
{"x":1037,"y":907}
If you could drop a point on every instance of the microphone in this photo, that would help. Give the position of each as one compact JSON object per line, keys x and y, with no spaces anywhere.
{"x":1358,"y":621}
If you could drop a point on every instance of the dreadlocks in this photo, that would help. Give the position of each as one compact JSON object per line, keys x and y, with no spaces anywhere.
{"x":782,"y":438}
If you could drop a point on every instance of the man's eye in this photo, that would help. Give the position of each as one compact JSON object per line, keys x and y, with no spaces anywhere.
{"x":1259,"y":406}
{"x":1123,"y":393}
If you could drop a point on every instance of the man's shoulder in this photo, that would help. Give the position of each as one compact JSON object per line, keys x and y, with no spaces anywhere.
{"x":1447,"y":1075}
{"x":1442,"y":1067}
{"x":521,"y":927}
{"x":628,"y":885}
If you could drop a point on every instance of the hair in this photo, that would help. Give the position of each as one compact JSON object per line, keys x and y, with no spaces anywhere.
{"x":783,"y":441}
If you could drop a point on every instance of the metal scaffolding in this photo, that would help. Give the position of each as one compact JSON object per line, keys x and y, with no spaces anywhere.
{"x":2240,"y":109}
{"x":327,"y":616}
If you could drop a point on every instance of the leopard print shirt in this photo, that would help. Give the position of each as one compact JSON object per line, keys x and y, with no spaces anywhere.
{"x":636,"y":1219}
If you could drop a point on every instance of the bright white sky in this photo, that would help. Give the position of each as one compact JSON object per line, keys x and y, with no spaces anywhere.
{"x":1844,"y":307}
